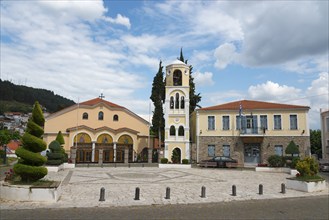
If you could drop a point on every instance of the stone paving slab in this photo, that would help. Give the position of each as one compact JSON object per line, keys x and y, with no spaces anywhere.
{"x":81,"y":187}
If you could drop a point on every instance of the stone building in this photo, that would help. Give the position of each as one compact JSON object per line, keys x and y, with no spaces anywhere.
{"x":99,"y":131}
{"x":249,"y":131}
{"x":325,"y":134}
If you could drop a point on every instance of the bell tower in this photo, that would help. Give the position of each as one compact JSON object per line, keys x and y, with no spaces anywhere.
{"x":177,"y":105}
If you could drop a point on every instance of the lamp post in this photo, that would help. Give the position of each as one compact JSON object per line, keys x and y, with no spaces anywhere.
{"x":5,"y":155}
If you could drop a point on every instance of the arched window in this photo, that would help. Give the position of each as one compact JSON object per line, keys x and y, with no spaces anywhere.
{"x":115,"y":118}
{"x":100,"y":116}
{"x":177,"y":77}
{"x":177,"y":101}
{"x":181,"y":131}
{"x":182,"y":102}
{"x":85,"y":116}
{"x":171,"y":102}
{"x":172,"y":130}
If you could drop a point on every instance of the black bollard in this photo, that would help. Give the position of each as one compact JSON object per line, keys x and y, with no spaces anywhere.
{"x":167,"y":193}
{"x":137,"y":193}
{"x":283,"y":188}
{"x":233,"y":190}
{"x":203,"y":192}
{"x":260,"y":189}
{"x":102,"y":194}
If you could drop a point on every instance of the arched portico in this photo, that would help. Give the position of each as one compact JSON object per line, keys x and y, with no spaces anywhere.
{"x":124,"y":149}
{"x":84,"y":147}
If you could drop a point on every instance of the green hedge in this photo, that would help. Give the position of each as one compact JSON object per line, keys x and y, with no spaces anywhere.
{"x":275,"y":161}
{"x":54,"y":162}
{"x":164,"y":160}
{"x":185,"y":161}
{"x":55,"y":156}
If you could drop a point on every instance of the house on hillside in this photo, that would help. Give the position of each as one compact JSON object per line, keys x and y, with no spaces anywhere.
{"x":249,"y":131}
{"x":99,"y":131}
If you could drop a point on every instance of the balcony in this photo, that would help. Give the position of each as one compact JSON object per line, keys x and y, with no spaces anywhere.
{"x":252,"y":131}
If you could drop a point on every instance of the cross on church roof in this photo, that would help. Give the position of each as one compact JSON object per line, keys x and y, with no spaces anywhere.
{"x":101,"y":96}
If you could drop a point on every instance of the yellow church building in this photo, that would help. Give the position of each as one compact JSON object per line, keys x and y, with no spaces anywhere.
{"x":99,"y":131}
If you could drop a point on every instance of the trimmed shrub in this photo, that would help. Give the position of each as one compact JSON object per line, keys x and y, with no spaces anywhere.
{"x":164,"y":160}
{"x":60,"y":138}
{"x":55,"y":157}
{"x":292,"y":148}
{"x":275,"y":161}
{"x":30,"y":173}
{"x":185,"y":161}
{"x":33,"y":143}
{"x":307,"y":167}
{"x":30,"y":158}
{"x":34,"y":129}
{"x":29,"y":166}
{"x":61,"y":141}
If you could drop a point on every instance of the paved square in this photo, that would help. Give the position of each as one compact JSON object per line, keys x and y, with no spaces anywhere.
{"x":81,"y":186}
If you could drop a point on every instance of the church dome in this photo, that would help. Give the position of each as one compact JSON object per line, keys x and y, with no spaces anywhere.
{"x":175,"y":62}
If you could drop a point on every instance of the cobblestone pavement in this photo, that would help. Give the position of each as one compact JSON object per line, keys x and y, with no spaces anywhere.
{"x":81,"y":187}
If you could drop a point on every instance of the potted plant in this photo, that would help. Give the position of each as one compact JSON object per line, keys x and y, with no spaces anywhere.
{"x":307,"y":179}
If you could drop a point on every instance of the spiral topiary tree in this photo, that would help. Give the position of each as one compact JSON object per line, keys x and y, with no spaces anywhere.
{"x":29,"y":166}
{"x":55,"y":156}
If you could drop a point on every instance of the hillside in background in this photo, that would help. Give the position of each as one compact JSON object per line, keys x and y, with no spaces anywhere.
{"x":17,"y":98}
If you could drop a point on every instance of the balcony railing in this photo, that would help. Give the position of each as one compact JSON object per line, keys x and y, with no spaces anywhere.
{"x":252,"y":131}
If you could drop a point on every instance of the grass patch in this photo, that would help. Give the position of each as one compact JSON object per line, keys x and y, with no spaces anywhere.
{"x":315,"y":178}
{"x":37,"y":184}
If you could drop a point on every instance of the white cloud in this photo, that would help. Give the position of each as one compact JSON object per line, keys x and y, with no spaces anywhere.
{"x":53,"y":46}
{"x":274,"y":92}
{"x":316,"y":96}
{"x":122,"y":20}
{"x":203,"y":79}
{"x":283,"y":32}
{"x":225,"y":55}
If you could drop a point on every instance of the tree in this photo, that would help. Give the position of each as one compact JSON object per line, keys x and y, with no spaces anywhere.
{"x":175,"y":157}
{"x":158,"y":97}
{"x":29,"y":166}
{"x":292,"y":148}
{"x":61,"y":141}
{"x":5,"y":137}
{"x":194,"y":98}
{"x":315,"y":139}
{"x":60,"y":138}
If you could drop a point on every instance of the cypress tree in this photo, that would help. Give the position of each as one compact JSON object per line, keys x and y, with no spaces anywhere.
{"x":61,"y":141}
{"x":29,"y":166}
{"x":194,"y":98}
{"x":292,"y":148}
{"x":158,"y":97}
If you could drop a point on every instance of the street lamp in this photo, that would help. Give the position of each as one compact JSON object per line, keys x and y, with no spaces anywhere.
{"x":5,"y":155}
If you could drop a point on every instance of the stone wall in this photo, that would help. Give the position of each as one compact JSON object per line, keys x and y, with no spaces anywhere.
{"x":237,"y":146}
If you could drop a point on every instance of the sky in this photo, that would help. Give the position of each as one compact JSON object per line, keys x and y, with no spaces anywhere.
{"x":274,"y":51}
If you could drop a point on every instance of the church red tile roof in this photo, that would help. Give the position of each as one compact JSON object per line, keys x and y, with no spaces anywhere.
{"x":99,"y":100}
{"x":251,"y":105}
